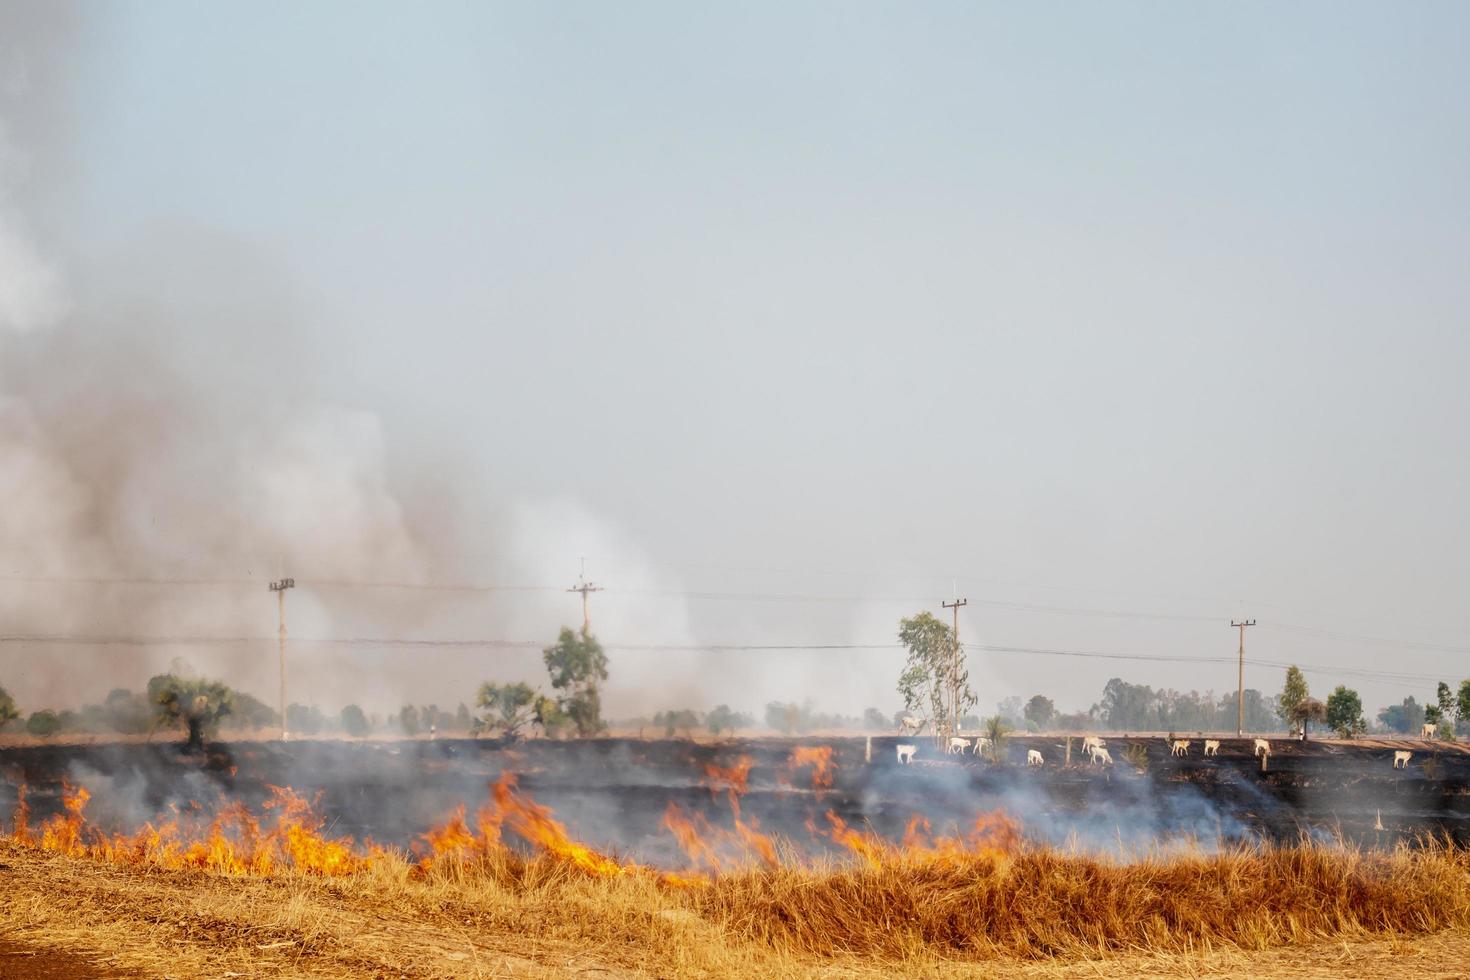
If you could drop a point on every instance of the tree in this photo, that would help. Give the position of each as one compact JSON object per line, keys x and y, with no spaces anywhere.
{"x":1292,"y":695}
{"x":305,"y":719}
{"x":874,"y":721}
{"x":998,"y":732}
{"x":510,"y":706}
{"x":548,"y":716}
{"x":934,"y":676}
{"x":677,"y":720}
{"x":408,"y":720}
{"x":1307,"y":710}
{"x":462,"y":719}
{"x":1462,"y":705}
{"x":578,"y":667}
{"x":1013,"y":710}
{"x":354,"y":721}
{"x":1040,"y":711}
{"x":8,"y":712}
{"x":784,"y":717}
{"x":43,"y":723}
{"x":1448,"y":706}
{"x":195,"y":702}
{"x":724,"y":719}
{"x":249,"y":712}
{"x":1345,"y":712}
{"x":1406,"y":717}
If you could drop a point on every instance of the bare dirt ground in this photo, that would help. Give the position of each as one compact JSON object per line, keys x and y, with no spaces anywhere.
{"x":69,"y":918}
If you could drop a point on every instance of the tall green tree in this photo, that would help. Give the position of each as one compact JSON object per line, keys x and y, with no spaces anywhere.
{"x":1292,"y":695}
{"x":354,"y":721}
{"x":509,"y":707}
{"x":1462,"y":704}
{"x":1345,"y":712}
{"x":195,"y":702}
{"x":9,"y":712}
{"x":578,"y":667}
{"x":935,"y":680}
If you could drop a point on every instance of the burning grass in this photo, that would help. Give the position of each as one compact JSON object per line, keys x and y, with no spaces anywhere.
{"x":982,"y":893}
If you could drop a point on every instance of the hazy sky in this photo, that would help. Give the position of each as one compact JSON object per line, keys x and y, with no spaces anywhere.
{"x":1140,"y":308}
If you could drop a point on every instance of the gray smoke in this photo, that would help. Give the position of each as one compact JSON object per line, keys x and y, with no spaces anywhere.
{"x":169,"y":410}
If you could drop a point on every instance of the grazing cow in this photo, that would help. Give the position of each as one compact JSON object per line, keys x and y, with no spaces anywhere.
{"x":1401,"y":759}
{"x":906,"y":753}
{"x":981,"y":744}
{"x":1263,"y":747}
{"x":957,"y":746}
{"x":1091,"y":742}
{"x":1212,"y":746}
{"x":1428,"y":729}
{"x":1179,"y":747}
{"x":1033,"y":758}
{"x":1102,"y":754}
{"x":909,"y":725}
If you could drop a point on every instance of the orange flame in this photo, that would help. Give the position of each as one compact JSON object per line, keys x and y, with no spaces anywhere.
{"x":994,"y":835}
{"x":734,"y":780}
{"x":233,"y":843}
{"x":816,"y":757}
{"x":714,"y":847}
{"x":288,"y":835}
{"x":535,"y":823}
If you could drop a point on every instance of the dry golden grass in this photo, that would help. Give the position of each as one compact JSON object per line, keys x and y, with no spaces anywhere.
{"x":1034,"y":913}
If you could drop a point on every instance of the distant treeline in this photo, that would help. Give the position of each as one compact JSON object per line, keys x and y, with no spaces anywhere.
{"x":1123,"y":707}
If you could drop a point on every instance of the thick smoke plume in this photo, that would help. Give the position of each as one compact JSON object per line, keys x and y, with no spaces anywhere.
{"x":169,"y":410}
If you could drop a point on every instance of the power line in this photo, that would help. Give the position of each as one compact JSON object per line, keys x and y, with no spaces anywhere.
{"x":490,"y":588}
{"x":497,"y":643}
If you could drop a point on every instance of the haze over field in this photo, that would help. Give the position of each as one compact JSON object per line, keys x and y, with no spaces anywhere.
{"x":1121,"y":322}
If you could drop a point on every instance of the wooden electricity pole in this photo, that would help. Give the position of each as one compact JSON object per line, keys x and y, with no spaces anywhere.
{"x":954,"y":667}
{"x":583,"y":586}
{"x":279,"y":588}
{"x":1240,"y":679}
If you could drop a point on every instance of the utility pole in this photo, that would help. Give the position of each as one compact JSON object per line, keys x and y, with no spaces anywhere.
{"x":279,"y":588}
{"x":1240,"y":680}
{"x":954,"y":668}
{"x":583,"y":586}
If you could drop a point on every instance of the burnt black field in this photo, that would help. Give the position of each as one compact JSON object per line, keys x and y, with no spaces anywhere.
{"x":612,"y":792}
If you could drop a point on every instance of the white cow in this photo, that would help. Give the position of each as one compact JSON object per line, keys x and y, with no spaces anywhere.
{"x":1091,"y":742}
{"x":1263,"y":747}
{"x":909,"y":725}
{"x":1401,"y":759}
{"x":1428,"y":729}
{"x":1179,"y":747}
{"x":1212,"y":746}
{"x":957,"y":746}
{"x":1033,"y":758}
{"x":982,"y":743}
{"x":1102,"y":754}
{"x":906,"y":753}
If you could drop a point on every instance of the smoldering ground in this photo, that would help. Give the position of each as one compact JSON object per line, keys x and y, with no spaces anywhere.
{"x":613,"y":793}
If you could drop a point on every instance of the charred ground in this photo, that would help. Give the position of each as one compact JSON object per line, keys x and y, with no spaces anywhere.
{"x":613,"y":791}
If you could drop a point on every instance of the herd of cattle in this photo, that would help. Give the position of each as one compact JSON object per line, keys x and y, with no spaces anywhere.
{"x":1094,"y":747}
